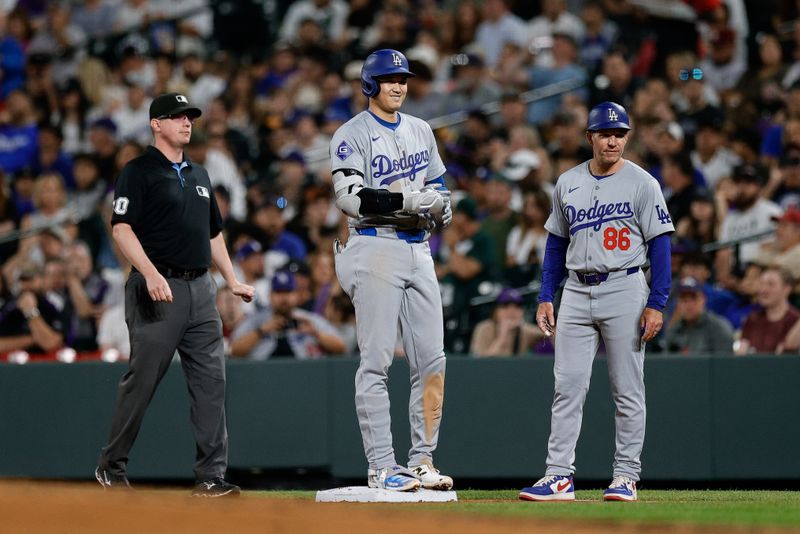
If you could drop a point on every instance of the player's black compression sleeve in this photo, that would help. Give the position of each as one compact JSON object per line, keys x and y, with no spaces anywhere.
{"x":379,"y":201}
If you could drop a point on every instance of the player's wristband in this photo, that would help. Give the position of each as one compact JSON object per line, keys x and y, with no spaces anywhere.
{"x":32,"y":314}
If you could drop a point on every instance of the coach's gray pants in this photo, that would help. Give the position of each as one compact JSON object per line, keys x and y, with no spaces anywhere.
{"x":393,"y":284}
{"x":611,"y":309}
{"x":191,"y":325}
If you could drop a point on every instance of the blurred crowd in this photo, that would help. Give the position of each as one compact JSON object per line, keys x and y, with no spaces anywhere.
{"x":712,"y":87}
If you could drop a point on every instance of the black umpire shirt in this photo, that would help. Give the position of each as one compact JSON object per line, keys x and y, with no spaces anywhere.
{"x":171,"y":209}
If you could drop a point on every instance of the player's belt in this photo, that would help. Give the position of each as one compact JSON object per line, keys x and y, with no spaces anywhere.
{"x":409,"y":236}
{"x":593,"y":279}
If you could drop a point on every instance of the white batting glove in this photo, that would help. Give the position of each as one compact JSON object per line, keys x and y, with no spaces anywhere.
{"x":447,"y":214}
{"x":423,"y":201}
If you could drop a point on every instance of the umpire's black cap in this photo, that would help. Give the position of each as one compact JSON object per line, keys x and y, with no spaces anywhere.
{"x":172,"y":104}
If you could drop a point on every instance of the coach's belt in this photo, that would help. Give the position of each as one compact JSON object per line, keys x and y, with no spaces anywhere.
{"x":185,"y":274}
{"x":593,"y":279}
{"x":409,"y":236}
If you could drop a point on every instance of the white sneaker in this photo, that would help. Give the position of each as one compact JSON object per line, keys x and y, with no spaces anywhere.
{"x":396,"y":478}
{"x":621,"y":489}
{"x":430,"y":477}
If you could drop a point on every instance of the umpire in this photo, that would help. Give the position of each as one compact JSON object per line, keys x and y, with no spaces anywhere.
{"x":167,"y":223}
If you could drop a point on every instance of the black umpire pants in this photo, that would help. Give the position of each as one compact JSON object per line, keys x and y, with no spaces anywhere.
{"x":191,"y":325}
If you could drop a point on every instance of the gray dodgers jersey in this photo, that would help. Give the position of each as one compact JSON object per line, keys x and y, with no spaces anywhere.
{"x":608,"y":221}
{"x":397,"y":160}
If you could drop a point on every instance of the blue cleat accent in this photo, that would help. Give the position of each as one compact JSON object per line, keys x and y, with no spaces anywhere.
{"x":396,"y":478}
{"x":550,"y":488}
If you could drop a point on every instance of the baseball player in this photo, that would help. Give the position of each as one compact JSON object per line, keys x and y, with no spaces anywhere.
{"x":608,"y":220}
{"x":388,"y":179}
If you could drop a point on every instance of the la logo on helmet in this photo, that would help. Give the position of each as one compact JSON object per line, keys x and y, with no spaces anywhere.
{"x":182,"y":99}
{"x":612,"y":115}
{"x":396,"y":60}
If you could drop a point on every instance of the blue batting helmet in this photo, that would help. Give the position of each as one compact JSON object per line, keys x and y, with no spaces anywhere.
{"x":608,"y":116}
{"x":382,"y":63}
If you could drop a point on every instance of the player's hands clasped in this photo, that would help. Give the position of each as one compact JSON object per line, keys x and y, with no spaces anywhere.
{"x":423,"y":201}
{"x":546,"y":318}
{"x":650,"y":323}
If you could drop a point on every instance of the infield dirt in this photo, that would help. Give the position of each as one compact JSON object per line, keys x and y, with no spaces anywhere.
{"x":56,"y":508}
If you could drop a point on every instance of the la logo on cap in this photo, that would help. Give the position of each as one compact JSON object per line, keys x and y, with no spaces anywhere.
{"x":182,"y":99}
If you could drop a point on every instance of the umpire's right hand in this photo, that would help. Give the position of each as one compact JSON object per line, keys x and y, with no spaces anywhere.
{"x":158,"y":287}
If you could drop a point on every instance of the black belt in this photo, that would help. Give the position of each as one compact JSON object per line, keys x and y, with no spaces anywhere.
{"x":184,"y":274}
{"x":593,"y":279}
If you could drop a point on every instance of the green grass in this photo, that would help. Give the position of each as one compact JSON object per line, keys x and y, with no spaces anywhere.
{"x":744,"y":508}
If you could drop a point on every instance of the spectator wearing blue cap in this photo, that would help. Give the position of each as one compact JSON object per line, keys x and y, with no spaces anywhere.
{"x":248,"y":264}
{"x":694,"y":329}
{"x":506,"y":333}
{"x":284,"y":329}
{"x":281,"y":245}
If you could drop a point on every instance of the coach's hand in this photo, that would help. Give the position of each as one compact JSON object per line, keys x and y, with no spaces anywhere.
{"x":244,"y":291}
{"x":546,"y":318}
{"x":650,"y":323}
{"x":423,"y":201}
{"x":158,"y":287}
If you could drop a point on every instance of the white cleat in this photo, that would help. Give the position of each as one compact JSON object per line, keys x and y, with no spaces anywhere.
{"x":430,"y":478}
{"x":621,"y":488}
{"x":396,"y":478}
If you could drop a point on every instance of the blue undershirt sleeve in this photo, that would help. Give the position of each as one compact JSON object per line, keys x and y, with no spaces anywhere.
{"x":658,"y":251}
{"x":437,"y":182}
{"x":554,"y":267}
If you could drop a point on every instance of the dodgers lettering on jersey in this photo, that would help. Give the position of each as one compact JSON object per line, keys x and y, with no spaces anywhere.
{"x":398,"y":160}
{"x":390,"y":170}
{"x":609,"y":220}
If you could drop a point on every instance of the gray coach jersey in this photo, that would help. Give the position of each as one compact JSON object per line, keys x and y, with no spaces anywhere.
{"x":398,"y":160}
{"x":608,"y":221}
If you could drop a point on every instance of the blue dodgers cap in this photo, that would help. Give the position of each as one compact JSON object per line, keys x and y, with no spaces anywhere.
{"x":251,"y":247}
{"x":105,"y":123}
{"x":509,"y":295}
{"x":690,"y":284}
{"x":283,"y":281}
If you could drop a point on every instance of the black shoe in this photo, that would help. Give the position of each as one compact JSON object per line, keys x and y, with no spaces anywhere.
{"x":111,"y":481}
{"x":215,"y":487}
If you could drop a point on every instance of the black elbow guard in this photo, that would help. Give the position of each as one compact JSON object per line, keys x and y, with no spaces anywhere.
{"x":379,"y":201}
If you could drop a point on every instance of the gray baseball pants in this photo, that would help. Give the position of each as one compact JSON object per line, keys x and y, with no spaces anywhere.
{"x":393,"y":285}
{"x":191,"y":325}
{"x":612,"y":310}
